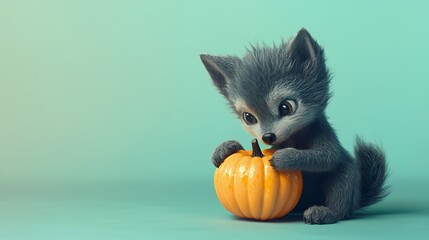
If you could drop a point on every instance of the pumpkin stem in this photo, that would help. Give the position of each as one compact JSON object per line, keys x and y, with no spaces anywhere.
{"x":256,"y":149}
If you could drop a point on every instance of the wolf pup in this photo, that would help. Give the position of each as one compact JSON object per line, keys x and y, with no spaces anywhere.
{"x":280,"y":94}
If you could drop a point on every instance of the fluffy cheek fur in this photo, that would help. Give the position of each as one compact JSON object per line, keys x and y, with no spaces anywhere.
{"x":254,"y":130}
{"x":240,"y":106}
{"x":288,"y":125}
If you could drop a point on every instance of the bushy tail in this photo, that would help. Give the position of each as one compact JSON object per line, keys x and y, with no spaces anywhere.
{"x":373,"y":169}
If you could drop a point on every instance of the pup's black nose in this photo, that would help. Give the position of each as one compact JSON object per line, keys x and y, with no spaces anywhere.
{"x":269,"y":138}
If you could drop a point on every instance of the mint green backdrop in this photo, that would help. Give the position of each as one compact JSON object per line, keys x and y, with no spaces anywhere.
{"x":108,"y":118}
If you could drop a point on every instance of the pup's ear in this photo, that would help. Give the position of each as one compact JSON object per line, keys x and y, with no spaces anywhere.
{"x":303,"y":47}
{"x":221,"y":69}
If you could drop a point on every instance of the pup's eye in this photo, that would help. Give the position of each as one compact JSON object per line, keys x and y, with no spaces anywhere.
{"x":249,"y":118}
{"x":287,"y":107}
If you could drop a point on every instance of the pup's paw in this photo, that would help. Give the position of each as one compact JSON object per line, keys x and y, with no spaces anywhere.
{"x":285,"y":159}
{"x":320,"y":215}
{"x":224,"y":150}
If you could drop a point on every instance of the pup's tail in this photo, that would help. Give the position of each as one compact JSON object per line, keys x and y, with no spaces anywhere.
{"x":373,"y":170}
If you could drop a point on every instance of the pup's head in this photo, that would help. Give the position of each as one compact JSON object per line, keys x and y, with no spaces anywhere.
{"x":275,"y":91}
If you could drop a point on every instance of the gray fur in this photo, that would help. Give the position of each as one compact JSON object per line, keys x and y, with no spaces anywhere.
{"x":335,"y":183}
{"x":221,"y":70}
{"x":224,"y":150}
{"x":319,"y":214}
{"x":373,"y":168}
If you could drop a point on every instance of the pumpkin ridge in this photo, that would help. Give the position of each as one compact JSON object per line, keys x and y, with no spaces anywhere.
{"x":236,"y":176}
{"x":262,"y":195}
{"x":249,"y":186}
{"x":291,"y":191}
{"x":270,"y":216}
{"x":234,"y":203}
{"x":262,"y":169}
{"x":270,"y":190}
{"x":255,"y":196}
{"x":280,"y":196}
{"x":223,"y":185}
{"x":249,"y":211}
{"x":299,"y":190}
{"x":247,"y":160}
{"x":294,"y":193}
{"x":288,"y":187}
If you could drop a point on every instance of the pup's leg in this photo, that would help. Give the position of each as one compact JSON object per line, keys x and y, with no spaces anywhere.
{"x":224,"y":150}
{"x":342,"y":196}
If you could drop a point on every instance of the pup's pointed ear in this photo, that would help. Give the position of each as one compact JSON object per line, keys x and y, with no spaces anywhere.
{"x":221,"y":69}
{"x":303,"y":47}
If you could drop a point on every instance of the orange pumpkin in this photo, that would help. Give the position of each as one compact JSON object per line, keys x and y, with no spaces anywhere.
{"x":249,"y":187}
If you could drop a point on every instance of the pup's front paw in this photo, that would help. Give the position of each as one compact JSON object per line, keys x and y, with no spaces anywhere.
{"x":224,"y":150}
{"x":285,"y":159}
{"x":320,"y":215}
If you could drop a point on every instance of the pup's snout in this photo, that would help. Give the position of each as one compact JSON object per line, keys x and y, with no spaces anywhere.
{"x":269,"y":138}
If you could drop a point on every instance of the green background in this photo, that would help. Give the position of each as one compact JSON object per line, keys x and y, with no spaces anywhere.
{"x":108,"y":118}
